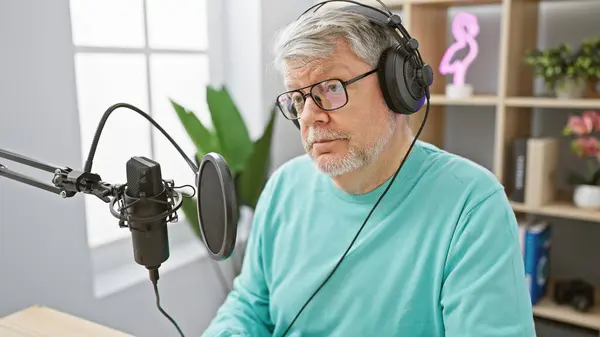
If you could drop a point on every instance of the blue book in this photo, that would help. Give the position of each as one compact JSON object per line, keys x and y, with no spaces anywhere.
{"x":536,"y":253}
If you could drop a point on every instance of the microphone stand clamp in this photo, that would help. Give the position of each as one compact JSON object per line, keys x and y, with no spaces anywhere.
{"x":66,"y":181}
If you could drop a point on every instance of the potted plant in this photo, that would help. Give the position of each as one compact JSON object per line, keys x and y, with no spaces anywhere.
{"x":248,"y":160}
{"x":588,"y":59}
{"x":586,"y":146}
{"x":558,"y":68}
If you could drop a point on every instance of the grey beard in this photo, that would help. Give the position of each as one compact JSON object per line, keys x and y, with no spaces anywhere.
{"x":356,"y":157}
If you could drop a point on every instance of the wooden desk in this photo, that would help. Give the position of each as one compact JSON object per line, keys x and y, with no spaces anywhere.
{"x":38,"y":321}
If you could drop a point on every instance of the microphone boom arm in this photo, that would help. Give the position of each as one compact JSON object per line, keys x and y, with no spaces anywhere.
{"x":66,"y":181}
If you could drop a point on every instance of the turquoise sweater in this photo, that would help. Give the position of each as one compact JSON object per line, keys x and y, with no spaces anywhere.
{"x":440,"y":256}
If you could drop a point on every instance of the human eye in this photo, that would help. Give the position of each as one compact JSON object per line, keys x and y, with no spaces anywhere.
{"x":297,"y":97}
{"x":335,"y":86}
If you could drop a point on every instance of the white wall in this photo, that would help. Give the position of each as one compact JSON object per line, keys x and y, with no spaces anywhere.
{"x":44,"y":258}
{"x":277,"y":14}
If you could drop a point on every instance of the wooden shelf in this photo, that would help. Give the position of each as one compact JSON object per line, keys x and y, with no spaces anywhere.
{"x":546,"y":308}
{"x":478,"y":100}
{"x":519,"y":102}
{"x":559,"y":209}
{"x":551,"y":102}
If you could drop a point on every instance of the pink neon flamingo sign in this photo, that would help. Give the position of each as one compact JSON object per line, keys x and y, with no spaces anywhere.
{"x":464,"y":28}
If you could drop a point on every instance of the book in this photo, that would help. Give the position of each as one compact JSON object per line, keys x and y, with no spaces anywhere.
{"x":537,"y":241}
{"x":519,"y":156}
{"x":540,"y":172}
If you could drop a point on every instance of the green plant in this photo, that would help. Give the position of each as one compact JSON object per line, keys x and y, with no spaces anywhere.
{"x":588,"y":57}
{"x":229,"y":136}
{"x":554,"y":64}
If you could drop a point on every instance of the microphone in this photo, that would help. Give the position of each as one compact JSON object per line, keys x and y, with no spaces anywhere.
{"x":146,"y":203}
{"x":146,"y":206}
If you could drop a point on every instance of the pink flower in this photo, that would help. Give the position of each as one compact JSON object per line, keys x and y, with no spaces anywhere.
{"x":587,"y":146}
{"x":593,"y":117}
{"x":579,"y":125}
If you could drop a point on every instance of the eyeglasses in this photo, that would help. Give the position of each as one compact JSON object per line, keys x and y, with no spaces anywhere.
{"x":329,"y":95}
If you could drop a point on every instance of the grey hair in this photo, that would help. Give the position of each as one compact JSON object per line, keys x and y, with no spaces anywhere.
{"x":314,"y":37}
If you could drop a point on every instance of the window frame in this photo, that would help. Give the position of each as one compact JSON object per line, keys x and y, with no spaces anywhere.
{"x":113,"y":266}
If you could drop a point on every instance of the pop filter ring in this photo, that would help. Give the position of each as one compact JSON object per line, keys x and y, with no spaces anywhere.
{"x":229,"y":209}
{"x":174,"y":199}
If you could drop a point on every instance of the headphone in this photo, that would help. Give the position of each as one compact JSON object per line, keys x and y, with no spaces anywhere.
{"x":404,"y":80}
{"x":403,"y":77}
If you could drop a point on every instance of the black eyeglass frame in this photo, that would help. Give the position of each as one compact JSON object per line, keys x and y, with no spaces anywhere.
{"x":312,"y":86}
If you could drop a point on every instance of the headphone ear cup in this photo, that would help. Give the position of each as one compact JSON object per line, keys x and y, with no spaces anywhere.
{"x":387,"y":82}
{"x":399,"y":82}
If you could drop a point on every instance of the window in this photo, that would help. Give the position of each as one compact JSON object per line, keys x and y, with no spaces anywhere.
{"x":141,"y":52}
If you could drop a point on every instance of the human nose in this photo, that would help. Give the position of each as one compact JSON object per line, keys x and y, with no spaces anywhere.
{"x":312,"y":113}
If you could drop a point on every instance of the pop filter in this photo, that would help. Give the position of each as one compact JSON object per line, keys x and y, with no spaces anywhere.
{"x":217,"y":206}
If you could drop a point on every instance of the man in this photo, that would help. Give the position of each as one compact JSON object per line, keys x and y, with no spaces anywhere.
{"x":439,"y":256}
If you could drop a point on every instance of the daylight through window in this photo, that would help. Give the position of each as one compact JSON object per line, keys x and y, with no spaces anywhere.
{"x":142,"y":53}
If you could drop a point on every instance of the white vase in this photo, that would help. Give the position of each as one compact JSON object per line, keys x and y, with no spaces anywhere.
{"x":454,"y":91}
{"x":570,"y":88}
{"x":587,"y":196}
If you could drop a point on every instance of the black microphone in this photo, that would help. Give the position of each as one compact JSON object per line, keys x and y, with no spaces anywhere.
{"x":146,"y":205}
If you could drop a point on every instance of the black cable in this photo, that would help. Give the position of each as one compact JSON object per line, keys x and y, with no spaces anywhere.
{"x":385,"y":7}
{"x":92,"y":153}
{"x":186,"y":195}
{"x":406,"y":36}
{"x":321,"y":4}
{"x":154,"y":278}
{"x":366,"y":219}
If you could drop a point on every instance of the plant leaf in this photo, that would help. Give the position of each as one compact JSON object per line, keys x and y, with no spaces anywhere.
{"x":204,"y":140}
{"x":254,"y":176}
{"x":230,"y":128}
{"x":188,"y":205}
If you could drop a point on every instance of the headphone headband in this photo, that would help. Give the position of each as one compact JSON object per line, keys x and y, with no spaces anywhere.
{"x":386,"y":20}
{"x":321,"y":4}
{"x":377,"y":17}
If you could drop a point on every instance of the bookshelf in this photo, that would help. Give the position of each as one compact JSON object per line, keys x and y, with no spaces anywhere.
{"x":480,"y":100}
{"x":560,"y":209}
{"x":547,"y":309}
{"x":548,"y":102}
{"x":513,"y":103}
